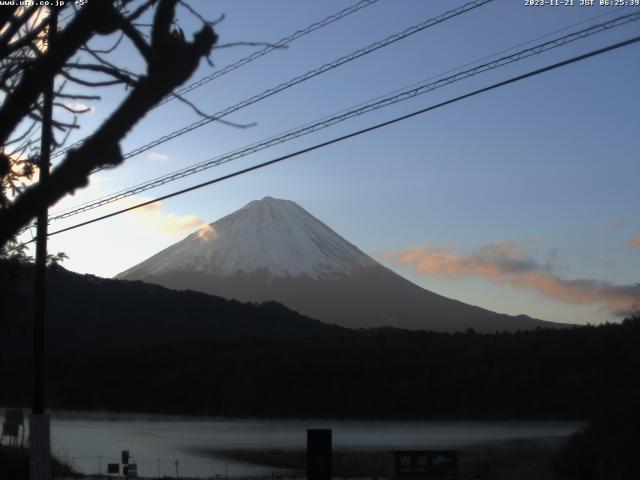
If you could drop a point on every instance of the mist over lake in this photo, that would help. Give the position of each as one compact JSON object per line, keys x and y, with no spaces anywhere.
{"x":208,"y":447}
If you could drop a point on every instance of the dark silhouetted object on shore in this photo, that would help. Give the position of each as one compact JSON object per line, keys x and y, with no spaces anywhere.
{"x":319,"y":452}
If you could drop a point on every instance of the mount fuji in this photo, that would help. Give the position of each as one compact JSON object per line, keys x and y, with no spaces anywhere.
{"x":273,"y":249}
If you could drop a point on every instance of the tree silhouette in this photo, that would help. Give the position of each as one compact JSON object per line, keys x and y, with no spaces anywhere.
{"x":28,"y":64}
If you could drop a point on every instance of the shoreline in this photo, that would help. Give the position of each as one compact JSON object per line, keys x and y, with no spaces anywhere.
{"x":497,"y":459}
{"x":132,"y":416}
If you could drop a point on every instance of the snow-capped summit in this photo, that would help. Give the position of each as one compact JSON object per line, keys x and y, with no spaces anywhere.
{"x":270,"y":235}
{"x":275,"y":250}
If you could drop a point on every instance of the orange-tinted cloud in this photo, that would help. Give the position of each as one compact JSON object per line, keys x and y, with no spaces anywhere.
{"x":147,"y":209}
{"x":187,"y":222}
{"x":208,"y":232}
{"x":633,"y":242}
{"x":504,"y":263}
{"x":154,"y":216}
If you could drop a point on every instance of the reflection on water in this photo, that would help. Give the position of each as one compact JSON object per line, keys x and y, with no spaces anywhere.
{"x":90,"y":441}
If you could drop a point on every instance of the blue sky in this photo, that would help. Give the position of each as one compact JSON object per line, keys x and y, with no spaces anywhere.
{"x":521,"y":200}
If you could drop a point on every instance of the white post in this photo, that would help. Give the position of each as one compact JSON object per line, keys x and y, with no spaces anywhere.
{"x":39,"y":444}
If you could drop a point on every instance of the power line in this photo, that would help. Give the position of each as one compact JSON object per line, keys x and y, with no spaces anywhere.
{"x":283,"y":42}
{"x":361,"y":110}
{"x":299,"y":79}
{"x":125,"y":193}
{"x":518,"y":78}
{"x":112,"y":196}
{"x":456,"y":69}
{"x":270,"y":48}
{"x":350,"y":135}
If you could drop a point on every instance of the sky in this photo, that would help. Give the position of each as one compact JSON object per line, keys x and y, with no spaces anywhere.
{"x":522,"y":200}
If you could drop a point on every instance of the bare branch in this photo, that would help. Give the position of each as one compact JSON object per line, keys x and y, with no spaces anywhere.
{"x":21,"y":137}
{"x":165,"y":13}
{"x":205,"y":115}
{"x":136,"y":38}
{"x":88,"y":83}
{"x":124,"y":77}
{"x":71,"y":109}
{"x":108,"y":64}
{"x":106,"y":50}
{"x":195,"y":13}
{"x":24,"y":41}
{"x":140,"y":10}
{"x":102,"y":148}
{"x":7,"y":13}
{"x":72,"y":96}
{"x":66,"y":137}
{"x":94,"y":17}
{"x":15,"y":23}
{"x":218,"y":20}
{"x":63,"y":126}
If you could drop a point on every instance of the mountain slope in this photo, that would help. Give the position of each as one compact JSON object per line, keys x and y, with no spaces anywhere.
{"x":275,"y":250}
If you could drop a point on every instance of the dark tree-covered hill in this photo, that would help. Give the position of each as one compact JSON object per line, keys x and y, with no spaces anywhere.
{"x":88,"y":313}
{"x":129,"y":346}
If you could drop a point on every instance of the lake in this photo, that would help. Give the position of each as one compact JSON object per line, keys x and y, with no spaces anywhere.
{"x":208,"y":447}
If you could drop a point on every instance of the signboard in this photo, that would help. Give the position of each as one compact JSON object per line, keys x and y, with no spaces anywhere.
{"x":130,"y":471}
{"x":425,"y":463}
{"x":319,"y":454}
{"x":113,"y":468}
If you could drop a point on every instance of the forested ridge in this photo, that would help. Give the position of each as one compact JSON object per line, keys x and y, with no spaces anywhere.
{"x":568,"y":374}
{"x":129,"y":346}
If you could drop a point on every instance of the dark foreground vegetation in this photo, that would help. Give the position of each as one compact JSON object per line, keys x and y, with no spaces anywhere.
{"x":129,"y":346}
{"x":91,"y":314}
{"x":570,"y":374}
{"x":210,"y":356}
{"x":581,"y":373}
{"x":608,"y":447}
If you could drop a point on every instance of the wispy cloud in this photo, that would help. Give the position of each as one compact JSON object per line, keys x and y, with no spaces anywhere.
{"x":158,"y":157}
{"x":505,"y":263}
{"x":154,"y":216}
{"x":633,"y":242}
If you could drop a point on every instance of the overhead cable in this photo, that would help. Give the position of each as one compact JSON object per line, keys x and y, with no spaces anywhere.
{"x":414,"y":85}
{"x":297,"y":80}
{"x":283,"y":42}
{"x":361,"y":110}
{"x":297,"y":153}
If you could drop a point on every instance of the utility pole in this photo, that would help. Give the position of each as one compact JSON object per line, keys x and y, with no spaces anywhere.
{"x":39,"y":431}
